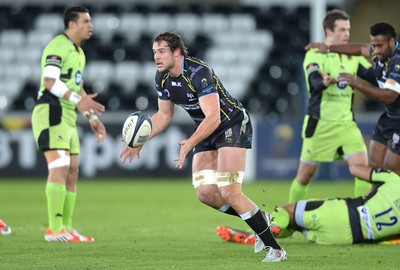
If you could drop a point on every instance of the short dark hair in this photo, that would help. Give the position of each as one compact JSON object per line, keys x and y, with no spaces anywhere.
{"x":332,"y":16}
{"x":71,"y":14}
{"x":383,"y":29}
{"x":174,"y":41}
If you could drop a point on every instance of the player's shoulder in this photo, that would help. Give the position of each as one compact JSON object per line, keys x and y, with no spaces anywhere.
{"x":58,"y":40}
{"x":160,"y":77}
{"x":195,"y":66}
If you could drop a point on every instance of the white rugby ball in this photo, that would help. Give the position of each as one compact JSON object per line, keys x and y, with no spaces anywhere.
{"x":136,"y":129}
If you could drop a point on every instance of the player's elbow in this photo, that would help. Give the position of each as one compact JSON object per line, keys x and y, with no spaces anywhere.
{"x":48,"y":83}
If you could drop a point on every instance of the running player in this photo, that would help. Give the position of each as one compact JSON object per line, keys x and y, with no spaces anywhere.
{"x":222,"y":135}
{"x":54,"y":121}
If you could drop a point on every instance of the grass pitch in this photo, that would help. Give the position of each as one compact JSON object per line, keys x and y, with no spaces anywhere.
{"x":144,"y":224}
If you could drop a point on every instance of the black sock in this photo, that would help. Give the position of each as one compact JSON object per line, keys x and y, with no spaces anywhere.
{"x":231,"y":211}
{"x":260,"y":227}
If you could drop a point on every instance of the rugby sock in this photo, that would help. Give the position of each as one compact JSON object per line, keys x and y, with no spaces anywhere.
{"x":361,"y":188}
{"x":259,"y":225}
{"x":227,"y":209}
{"x":69,"y":206}
{"x":297,"y":191}
{"x":55,"y":194}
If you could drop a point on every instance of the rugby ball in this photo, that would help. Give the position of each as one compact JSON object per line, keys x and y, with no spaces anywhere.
{"x":136,"y":129}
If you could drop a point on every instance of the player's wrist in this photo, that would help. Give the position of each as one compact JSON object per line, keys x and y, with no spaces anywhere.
{"x":90,"y":116}
{"x":74,"y":98}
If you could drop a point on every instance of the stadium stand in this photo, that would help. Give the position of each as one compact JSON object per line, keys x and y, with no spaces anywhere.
{"x":251,"y":49}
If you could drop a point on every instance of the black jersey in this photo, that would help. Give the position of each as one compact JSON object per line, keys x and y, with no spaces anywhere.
{"x":387,"y":74}
{"x":197,"y":80}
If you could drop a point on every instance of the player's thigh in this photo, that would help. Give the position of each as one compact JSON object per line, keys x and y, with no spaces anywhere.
{"x":377,"y":152}
{"x":205,"y":160}
{"x":231,"y":159}
{"x":51,"y":128}
{"x":392,"y":162}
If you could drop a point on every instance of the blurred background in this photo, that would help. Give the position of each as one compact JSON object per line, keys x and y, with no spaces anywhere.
{"x":255,"y":47}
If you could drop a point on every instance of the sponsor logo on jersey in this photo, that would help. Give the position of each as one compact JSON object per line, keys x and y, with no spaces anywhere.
{"x":204,"y":82}
{"x":190,"y":107}
{"x":190,"y":96}
{"x":78,"y":77}
{"x":53,"y":59}
{"x":167,"y":92}
{"x":312,"y":67}
{"x":177,"y":84}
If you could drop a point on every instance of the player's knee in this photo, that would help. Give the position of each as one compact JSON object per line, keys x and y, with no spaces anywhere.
{"x":225,"y":180}
{"x":204,"y":182}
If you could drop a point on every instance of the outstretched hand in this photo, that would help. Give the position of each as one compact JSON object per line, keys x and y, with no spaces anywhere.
{"x":87,"y":103}
{"x":186,"y":147}
{"x":129,"y":153}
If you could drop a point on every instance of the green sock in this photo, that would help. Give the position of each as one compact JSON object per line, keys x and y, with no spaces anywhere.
{"x":361,"y":188}
{"x":55,"y":194}
{"x":69,"y":206}
{"x":298,"y":192}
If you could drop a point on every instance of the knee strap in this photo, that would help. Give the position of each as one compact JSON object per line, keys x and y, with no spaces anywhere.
{"x":204,"y":177}
{"x":229,"y":178}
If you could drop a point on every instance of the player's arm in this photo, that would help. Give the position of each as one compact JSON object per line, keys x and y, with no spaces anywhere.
{"x":209,"y":104}
{"x":350,"y":48}
{"x":384,"y":95}
{"x":54,"y":85}
{"x":96,"y":125}
{"x":162,"y":118}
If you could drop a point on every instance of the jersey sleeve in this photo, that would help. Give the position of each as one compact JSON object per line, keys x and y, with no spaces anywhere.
{"x":55,"y":53}
{"x":312,"y":64}
{"x":204,"y":82}
{"x":393,"y":80}
{"x":163,"y":94}
{"x":365,"y":70}
{"x":381,"y":175}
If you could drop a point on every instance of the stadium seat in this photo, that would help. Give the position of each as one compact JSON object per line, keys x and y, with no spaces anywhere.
{"x":50,"y":22}
{"x":132,"y":25}
{"x":12,"y":38}
{"x":99,"y":74}
{"x":159,"y":22}
{"x":127,"y":74}
{"x":7,"y":55}
{"x":104,"y":26}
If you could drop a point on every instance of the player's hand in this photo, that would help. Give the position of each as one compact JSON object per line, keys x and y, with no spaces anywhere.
{"x":327,"y":79}
{"x":99,"y":130}
{"x":87,"y":103}
{"x":129,"y":153}
{"x":186,"y":147}
{"x":348,"y":79}
{"x":322,"y":48}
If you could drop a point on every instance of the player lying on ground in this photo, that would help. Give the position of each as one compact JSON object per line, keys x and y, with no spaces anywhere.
{"x":366,"y":219}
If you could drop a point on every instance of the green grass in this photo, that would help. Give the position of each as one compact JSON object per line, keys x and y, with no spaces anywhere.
{"x":161,"y":225}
